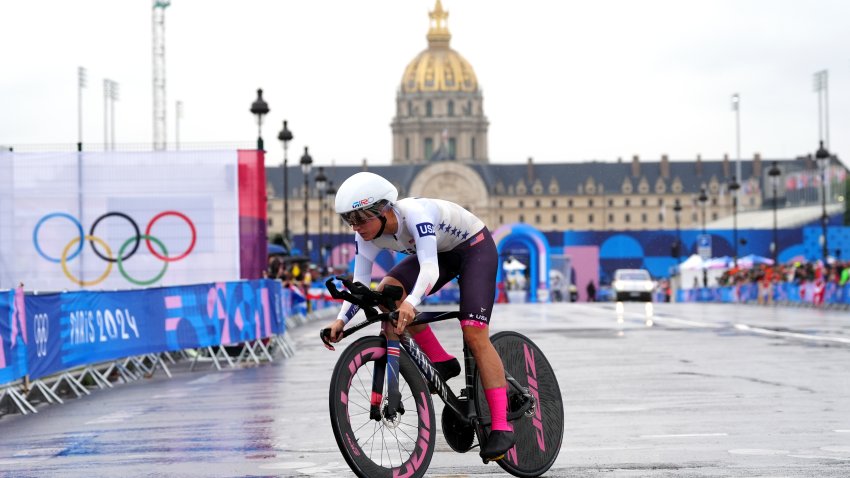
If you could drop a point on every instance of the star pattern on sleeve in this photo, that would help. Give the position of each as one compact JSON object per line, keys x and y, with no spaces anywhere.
{"x":443,"y":225}
{"x":464,"y":235}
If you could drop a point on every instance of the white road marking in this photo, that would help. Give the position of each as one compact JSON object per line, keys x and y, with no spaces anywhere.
{"x":794,"y":335}
{"x":211,"y":378}
{"x":757,"y":451}
{"x":685,"y":435}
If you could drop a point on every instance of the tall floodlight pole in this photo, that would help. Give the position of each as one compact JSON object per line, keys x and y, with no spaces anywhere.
{"x":81,"y":83}
{"x":159,"y":101}
{"x":821,"y":87}
{"x":736,"y":107}
{"x":106,"y":85}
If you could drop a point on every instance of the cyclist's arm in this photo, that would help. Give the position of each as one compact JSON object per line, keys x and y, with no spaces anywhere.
{"x":364,"y":256}
{"x":421,"y":222}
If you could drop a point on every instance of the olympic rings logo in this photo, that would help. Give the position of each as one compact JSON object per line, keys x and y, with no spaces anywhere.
{"x":77,"y":245}
{"x":41,"y":323}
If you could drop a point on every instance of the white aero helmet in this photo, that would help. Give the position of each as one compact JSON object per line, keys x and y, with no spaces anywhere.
{"x":364,"y":195}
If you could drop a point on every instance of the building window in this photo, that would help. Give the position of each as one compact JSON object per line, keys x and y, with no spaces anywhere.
{"x":570,"y":218}
{"x":451,"y":108}
{"x":554,"y":219}
{"x":627,"y":202}
{"x":714,"y":216}
{"x":452,"y":147}
{"x":428,"y":108}
{"x":501,"y":219}
{"x":536,"y":203}
{"x":569,"y":203}
{"x":610,"y":203}
{"x":407,"y":148}
{"x":521,"y":203}
{"x":660,"y":201}
{"x":643,"y":218}
{"x":521,"y":218}
{"x":714,"y":201}
{"x":590,"y":203}
{"x":694,"y":217}
{"x":429,"y":148}
{"x":590,"y":218}
{"x":271,"y":223}
{"x":643,"y":202}
{"x":554,"y":203}
{"x":409,"y":108}
{"x":501,"y":203}
{"x":468,"y":108}
{"x":611,"y":218}
{"x":660,"y":217}
{"x":472,"y":148}
{"x":627,"y":218}
{"x":537,"y":219}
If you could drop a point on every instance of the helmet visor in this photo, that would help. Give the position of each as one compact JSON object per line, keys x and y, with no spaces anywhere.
{"x":362,"y":216}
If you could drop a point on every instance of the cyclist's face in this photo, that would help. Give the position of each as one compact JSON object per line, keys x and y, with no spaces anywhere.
{"x":367,"y":228}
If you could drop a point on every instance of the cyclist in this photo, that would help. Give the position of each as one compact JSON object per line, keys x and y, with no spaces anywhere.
{"x":443,"y":241}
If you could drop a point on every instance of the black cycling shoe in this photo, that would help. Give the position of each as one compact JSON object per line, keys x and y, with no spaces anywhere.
{"x":498,"y":443}
{"x":447,"y":369}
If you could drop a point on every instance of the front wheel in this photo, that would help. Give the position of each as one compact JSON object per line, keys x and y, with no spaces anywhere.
{"x":539,"y":436}
{"x":401,"y":446}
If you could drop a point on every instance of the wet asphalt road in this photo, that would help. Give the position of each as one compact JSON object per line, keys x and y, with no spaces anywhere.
{"x":688,"y":391}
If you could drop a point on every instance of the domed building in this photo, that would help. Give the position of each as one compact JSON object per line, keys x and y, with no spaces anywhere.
{"x":439,"y":105}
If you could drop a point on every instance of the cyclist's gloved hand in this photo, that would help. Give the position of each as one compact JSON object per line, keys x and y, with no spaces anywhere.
{"x":406,"y":313}
{"x":335,"y":332}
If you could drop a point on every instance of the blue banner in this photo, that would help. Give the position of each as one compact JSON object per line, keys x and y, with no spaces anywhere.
{"x":80,"y":328}
{"x":13,"y":336}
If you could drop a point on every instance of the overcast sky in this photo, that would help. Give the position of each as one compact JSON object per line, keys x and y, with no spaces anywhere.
{"x":563,"y":81}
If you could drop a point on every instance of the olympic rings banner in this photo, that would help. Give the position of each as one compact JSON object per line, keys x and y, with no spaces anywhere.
{"x":79,"y":328}
{"x":124,"y":220}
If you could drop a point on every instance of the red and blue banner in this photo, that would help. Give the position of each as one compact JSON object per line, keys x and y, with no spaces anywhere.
{"x":71,"y":329}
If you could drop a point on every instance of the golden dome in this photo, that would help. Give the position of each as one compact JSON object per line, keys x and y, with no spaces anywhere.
{"x":439,"y":68}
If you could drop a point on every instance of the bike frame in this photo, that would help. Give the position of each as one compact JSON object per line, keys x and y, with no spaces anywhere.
{"x":465,"y":411}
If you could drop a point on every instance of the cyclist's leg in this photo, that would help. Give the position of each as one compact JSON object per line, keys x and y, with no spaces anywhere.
{"x":404,"y":275}
{"x":477,"y":284}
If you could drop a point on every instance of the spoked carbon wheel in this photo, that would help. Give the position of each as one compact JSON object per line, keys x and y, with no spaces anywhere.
{"x":401,"y":446}
{"x":538,"y":436}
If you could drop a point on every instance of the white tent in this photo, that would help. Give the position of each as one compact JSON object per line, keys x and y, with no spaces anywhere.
{"x":691,"y":271}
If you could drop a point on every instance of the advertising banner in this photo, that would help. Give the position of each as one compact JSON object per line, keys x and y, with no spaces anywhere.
{"x":13,"y":336}
{"x":81,"y":327}
{"x":118,"y":220}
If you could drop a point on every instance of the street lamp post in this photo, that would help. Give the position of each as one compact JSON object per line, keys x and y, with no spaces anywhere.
{"x":703,"y":198}
{"x":330,"y":192}
{"x":733,"y":187}
{"x":774,"y":181}
{"x":285,"y":136}
{"x":822,"y":157}
{"x":306,"y":164}
{"x":321,"y":183}
{"x":677,"y":212}
{"x":260,"y":108}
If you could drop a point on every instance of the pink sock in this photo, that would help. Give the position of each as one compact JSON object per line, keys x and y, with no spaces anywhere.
{"x":497,"y":400}
{"x":431,"y":346}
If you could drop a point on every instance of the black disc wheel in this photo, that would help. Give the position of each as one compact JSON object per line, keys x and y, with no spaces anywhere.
{"x":540,"y":431}
{"x":401,"y":445}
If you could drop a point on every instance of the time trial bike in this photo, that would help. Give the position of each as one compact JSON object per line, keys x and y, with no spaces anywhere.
{"x":397,"y":437}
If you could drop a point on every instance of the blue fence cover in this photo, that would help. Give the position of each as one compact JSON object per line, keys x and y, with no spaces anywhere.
{"x":13,"y":336}
{"x":79,"y":328}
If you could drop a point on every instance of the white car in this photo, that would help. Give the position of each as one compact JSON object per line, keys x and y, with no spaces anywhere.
{"x":633,"y":284}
